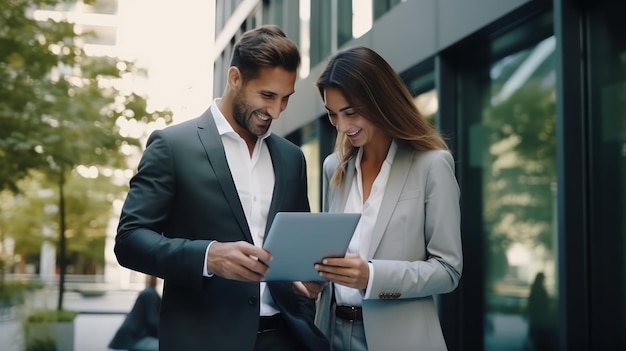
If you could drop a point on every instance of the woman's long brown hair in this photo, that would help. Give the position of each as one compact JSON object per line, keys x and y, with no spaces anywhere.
{"x":376,"y":91}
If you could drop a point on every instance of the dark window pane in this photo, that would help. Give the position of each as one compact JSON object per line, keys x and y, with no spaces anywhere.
{"x":607,"y":51}
{"x":514,"y":144}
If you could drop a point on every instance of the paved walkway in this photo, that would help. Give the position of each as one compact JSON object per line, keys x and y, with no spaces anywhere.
{"x":99,"y":318}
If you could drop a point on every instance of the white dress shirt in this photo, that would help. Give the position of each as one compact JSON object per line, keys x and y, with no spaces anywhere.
{"x":254,"y":179}
{"x":362,"y":236}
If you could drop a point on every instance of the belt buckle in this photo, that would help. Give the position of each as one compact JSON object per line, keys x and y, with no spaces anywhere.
{"x":271,"y":324}
{"x":352,"y":314}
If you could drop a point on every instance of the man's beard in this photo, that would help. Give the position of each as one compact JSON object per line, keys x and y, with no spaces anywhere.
{"x":242,"y":114}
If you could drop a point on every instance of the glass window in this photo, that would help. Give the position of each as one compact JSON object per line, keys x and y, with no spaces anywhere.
{"x":607,"y":67}
{"x":383,"y":6}
{"x":428,"y":104}
{"x":330,"y":26}
{"x":273,"y":12}
{"x":507,"y":154}
{"x":514,"y":145}
{"x":420,"y":80}
{"x":311,"y":149}
{"x":320,"y":44}
{"x":343,"y":23}
{"x":107,"y":7}
{"x":100,"y":35}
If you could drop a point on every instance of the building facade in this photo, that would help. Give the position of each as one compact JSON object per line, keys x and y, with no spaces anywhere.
{"x":531,"y":97}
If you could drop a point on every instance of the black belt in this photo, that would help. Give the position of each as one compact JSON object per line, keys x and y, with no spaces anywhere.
{"x":349,"y":313}
{"x":268,"y":323}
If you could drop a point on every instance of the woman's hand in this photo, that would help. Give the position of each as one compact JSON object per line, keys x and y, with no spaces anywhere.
{"x":351,"y":271}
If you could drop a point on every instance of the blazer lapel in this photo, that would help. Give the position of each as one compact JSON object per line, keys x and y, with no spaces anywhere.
{"x":340,"y":205}
{"x":280,"y":186}
{"x":395,"y":183}
{"x":212,"y":142}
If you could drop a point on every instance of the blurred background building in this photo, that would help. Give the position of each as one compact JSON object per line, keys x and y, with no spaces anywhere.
{"x":531,"y":96}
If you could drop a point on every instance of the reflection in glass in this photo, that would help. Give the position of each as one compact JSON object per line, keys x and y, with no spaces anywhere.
{"x":311,"y":149}
{"x":517,"y":136}
{"x":428,"y":105}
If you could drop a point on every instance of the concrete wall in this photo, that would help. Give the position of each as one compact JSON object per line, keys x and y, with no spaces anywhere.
{"x":408,"y":34}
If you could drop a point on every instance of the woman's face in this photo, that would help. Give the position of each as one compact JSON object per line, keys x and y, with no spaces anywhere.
{"x":358,"y":129}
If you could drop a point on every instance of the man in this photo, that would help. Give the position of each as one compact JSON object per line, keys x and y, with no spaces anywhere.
{"x":204,"y":196}
{"x":139,"y":331}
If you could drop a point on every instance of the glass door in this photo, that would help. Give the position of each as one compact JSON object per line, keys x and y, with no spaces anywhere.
{"x":508,"y":150}
{"x":516,"y":138}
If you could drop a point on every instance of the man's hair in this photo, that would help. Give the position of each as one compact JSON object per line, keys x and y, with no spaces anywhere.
{"x":265,"y":46}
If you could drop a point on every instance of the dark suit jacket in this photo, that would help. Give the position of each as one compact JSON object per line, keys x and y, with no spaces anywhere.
{"x":182,"y":197}
{"x":140,"y":322}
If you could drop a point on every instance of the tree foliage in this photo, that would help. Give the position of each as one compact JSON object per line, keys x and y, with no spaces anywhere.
{"x":61,"y":110}
{"x":31,"y":50}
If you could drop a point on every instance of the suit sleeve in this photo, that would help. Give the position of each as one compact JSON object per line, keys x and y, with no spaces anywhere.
{"x":139,"y":243}
{"x":440,"y":271}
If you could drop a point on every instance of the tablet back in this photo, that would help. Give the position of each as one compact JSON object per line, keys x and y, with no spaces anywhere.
{"x":297,"y":240}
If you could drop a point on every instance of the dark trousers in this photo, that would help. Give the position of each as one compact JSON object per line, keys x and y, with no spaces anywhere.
{"x":275,"y":335}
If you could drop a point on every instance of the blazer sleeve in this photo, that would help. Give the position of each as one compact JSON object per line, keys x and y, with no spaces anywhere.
{"x":437,"y":262}
{"x":140,"y":244}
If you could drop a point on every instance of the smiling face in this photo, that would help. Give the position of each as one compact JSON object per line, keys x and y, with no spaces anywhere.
{"x":257,"y":102}
{"x":358,"y":129}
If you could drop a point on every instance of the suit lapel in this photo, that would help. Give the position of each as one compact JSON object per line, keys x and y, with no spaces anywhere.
{"x":280,"y":187}
{"x":397,"y":178}
{"x":212,"y":143}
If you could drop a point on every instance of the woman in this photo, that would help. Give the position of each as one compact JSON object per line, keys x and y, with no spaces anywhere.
{"x":394,"y":168}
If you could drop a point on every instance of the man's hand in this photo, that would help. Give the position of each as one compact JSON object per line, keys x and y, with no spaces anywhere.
{"x":238,"y":260}
{"x":351,"y":271}
{"x":309,"y":289}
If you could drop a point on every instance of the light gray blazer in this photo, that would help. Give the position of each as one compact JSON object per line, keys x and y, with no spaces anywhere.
{"x":415,"y":250}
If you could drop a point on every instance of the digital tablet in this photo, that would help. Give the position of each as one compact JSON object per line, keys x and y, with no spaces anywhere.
{"x":298,"y":240}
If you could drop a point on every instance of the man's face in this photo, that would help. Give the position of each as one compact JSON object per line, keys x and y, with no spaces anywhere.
{"x":261,"y":100}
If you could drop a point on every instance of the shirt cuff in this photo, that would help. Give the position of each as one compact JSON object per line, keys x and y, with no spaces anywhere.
{"x":205,"y":271}
{"x":369,"y":281}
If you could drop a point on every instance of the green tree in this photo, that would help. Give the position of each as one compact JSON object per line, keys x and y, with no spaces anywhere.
{"x":60,"y":109}
{"x":23,"y":217}
{"x":31,"y":51}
